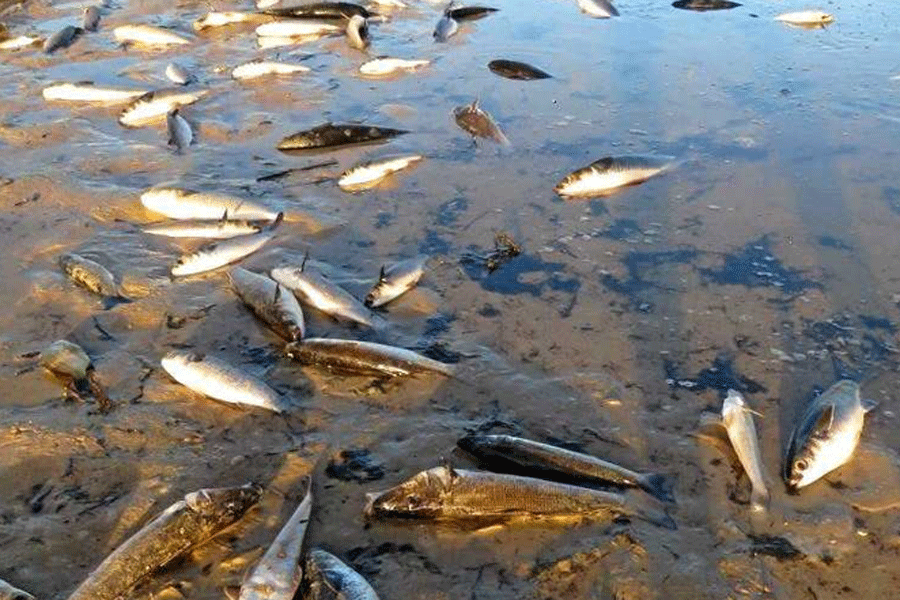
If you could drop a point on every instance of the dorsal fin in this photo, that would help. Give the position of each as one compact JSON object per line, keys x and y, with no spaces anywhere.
{"x":824,"y":421}
{"x":224,"y":215}
{"x":381,"y":276}
{"x":305,"y":257}
{"x":277,"y":293}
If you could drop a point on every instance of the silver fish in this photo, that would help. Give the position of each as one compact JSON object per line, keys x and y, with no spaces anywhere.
{"x":218,"y":254}
{"x":154,"y":106}
{"x":87,"y":91}
{"x":178,"y":74}
{"x":180,"y":134}
{"x":358,"y":32}
{"x":314,"y":290}
{"x":331,"y":579}
{"x":738,"y":420}
{"x":177,"y":203}
{"x":221,"y":229}
{"x":19,"y":42}
{"x":600,"y":9}
{"x":826,"y":435}
{"x":213,"y":377}
{"x":478,"y":123}
{"x":149,"y":35}
{"x":363,"y":358}
{"x":278,"y":573}
{"x":8,"y":592}
{"x":90,"y":18}
{"x":806,"y":18}
{"x":384,"y":66}
{"x":92,"y":276}
{"x":220,"y":19}
{"x":261,"y":68}
{"x":608,"y":174}
{"x":396,"y":280}
{"x":445,"y":28}
{"x":368,"y":175}
{"x":297,"y":28}
{"x":270,"y":301}
{"x":62,"y":38}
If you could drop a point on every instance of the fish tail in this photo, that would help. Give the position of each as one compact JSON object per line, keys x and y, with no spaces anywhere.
{"x":111,"y":301}
{"x":642,"y":507}
{"x":759,"y":499}
{"x":659,"y":486}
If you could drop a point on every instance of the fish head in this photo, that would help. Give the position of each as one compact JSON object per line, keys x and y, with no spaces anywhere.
{"x":476,"y":444}
{"x":419,"y":497}
{"x":378,"y":291}
{"x":215,"y":501}
{"x":805,"y":466}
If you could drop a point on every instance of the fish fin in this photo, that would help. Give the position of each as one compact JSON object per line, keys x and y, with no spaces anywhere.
{"x":869,"y":405}
{"x":305,"y":257}
{"x":111,"y":301}
{"x":381,"y":276}
{"x":224,"y":216}
{"x":450,"y":470}
{"x":277,"y":293}
{"x":825,"y":420}
{"x":639,"y":505}
{"x":232,"y":592}
{"x":277,"y":221}
{"x":474,"y":105}
{"x":659,"y":486}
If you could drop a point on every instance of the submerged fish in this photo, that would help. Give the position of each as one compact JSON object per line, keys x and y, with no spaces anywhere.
{"x":318,"y":292}
{"x":19,"y":42}
{"x":149,"y":35}
{"x":358,"y":32}
{"x":220,"y":253}
{"x":330,"y":579}
{"x":363,"y":358}
{"x":261,"y":68}
{"x":180,"y":134}
{"x":367,"y":175}
{"x":330,"y":136}
{"x":599,"y":9}
{"x":62,"y":38}
{"x":154,"y":106}
{"x":512,"y":69}
{"x":384,"y":66}
{"x":272,"y":302}
{"x":220,"y":19}
{"x":8,"y":592}
{"x":608,"y":174}
{"x":178,"y":74}
{"x":322,"y":10}
{"x":189,"y":522}
{"x":92,"y":276}
{"x":88,"y":91}
{"x":475,"y":121}
{"x":187,"y":204}
{"x":547,"y":458}
{"x":295,"y":28}
{"x":445,"y":29}
{"x":738,"y":420}
{"x":447,"y":494}
{"x":218,"y":229}
{"x":469,"y":13}
{"x":704,"y":5}
{"x":213,"y":377}
{"x":90,"y":18}
{"x":396,"y":280}
{"x":826,"y":435}
{"x":806,"y":18}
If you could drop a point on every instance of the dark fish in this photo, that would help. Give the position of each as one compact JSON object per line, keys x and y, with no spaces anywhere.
{"x":512,"y":69}
{"x":703,"y":5}
{"x":354,"y":357}
{"x":91,"y":18}
{"x":478,"y":123}
{"x":330,"y":579}
{"x":321,"y":10}
{"x":334,"y":136}
{"x":470,"y":13}
{"x":547,"y":458}
{"x":270,"y":301}
{"x":62,"y":38}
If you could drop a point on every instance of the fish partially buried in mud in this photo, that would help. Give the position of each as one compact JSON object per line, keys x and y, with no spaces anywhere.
{"x":737,"y":418}
{"x":478,"y":123}
{"x":396,"y":280}
{"x":180,"y":134}
{"x":329,"y":135}
{"x":599,"y":9}
{"x":368,"y":175}
{"x":154,"y":106}
{"x":826,"y":435}
{"x":812,"y":19}
{"x":9,"y":592}
{"x":149,"y":35}
{"x":354,"y":357}
{"x":512,"y":69}
{"x":545,"y":458}
{"x":93,"y":277}
{"x":213,"y":377}
{"x":481,"y":498}
{"x":220,"y":253}
{"x":608,"y":174}
{"x":197,"y":518}
{"x":330,"y":579}
{"x":177,"y":203}
{"x":704,"y":5}
{"x":88,"y":91}
{"x":63,"y":38}
{"x":272,"y":302}
{"x":315,"y":290}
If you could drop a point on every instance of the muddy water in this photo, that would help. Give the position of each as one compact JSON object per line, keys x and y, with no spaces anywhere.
{"x":768,"y":251}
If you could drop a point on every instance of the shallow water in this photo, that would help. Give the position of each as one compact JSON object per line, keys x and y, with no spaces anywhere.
{"x":768,"y":250}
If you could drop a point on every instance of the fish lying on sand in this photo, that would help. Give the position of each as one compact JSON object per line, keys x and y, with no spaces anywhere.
{"x":87,"y":91}
{"x":178,"y":74}
{"x":599,"y":9}
{"x":90,"y":18}
{"x":312,"y":289}
{"x":9,"y":592}
{"x":544,"y":458}
{"x":92,"y":276}
{"x":154,"y":106}
{"x":385,"y":66}
{"x":455,"y":495}
{"x":469,"y":13}
{"x":396,"y":280}
{"x":177,"y":203}
{"x":608,"y":174}
{"x":19,"y":42}
{"x":279,"y":572}
{"x":200,"y":516}
{"x":218,"y":229}
{"x":478,"y":123}
{"x":806,"y":18}
{"x":272,"y":302}
{"x":445,"y":29}
{"x":363,"y":358}
{"x":321,"y":10}
{"x":512,"y":69}
{"x":63,"y":38}
{"x":330,"y":579}
{"x":221,"y":19}
{"x":217,"y":254}
{"x":261,"y":68}
{"x":180,"y":134}
{"x":826,"y":435}
{"x":368,"y":175}
{"x":213,"y":377}
{"x":704,"y":5}
{"x":297,"y":28}
{"x":332,"y":135}
{"x":149,"y":35}
{"x":737,"y":418}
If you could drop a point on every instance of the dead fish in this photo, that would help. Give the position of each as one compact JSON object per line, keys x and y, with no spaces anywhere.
{"x":297,"y":28}
{"x":272,"y":302}
{"x":178,"y":74}
{"x":321,"y":10}
{"x":93,"y":277}
{"x":221,"y":229}
{"x":330,"y":579}
{"x":512,"y":69}
{"x":396,"y":280}
{"x":610,"y":173}
{"x":363,"y":358}
{"x":599,"y":9}
{"x":704,"y":5}
{"x":261,"y":68}
{"x":149,"y":35}
{"x":180,"y":134}
{"x":19,"y":42}
{"x":221,"y":19}
{"x":154,"y":106}
{"x":826,"y":435}
{"x":447,"y":494}
{"x":334,"y":136}
{"x":806,"y":18}
{"x":368,"y":175}
{"x":316,"y":291}
{"x":469,"y":13}
{"x":220,"y":253}
{"x":547,"y":458}
{"x":63,"y":38}
{"x":8,"y":592}
{"x":90,"y":18}
{"x":213,"y":377}
{"x":358,"y":32}
{"x":279,"y":572}
{"x":478,"y":123}
{"x":88,"y":91}
{"x":445,"y":29}
{"x":177,"y":203}
{"x":384,"y":66}
{"x":738,"y":420}
{"x":189,"y":522}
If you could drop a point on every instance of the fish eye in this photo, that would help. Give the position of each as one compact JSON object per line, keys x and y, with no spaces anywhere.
{"x":800,"y":465}
{"x":413,"y":502}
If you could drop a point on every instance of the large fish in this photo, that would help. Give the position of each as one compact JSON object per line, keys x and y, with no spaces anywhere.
{"x":599,"y":9}
{"x":149,"y":35}
{"x":213,"y":377}
{"x":385,"y":66}
{"x":262,"y":68}
{"x":737,"y":418}
{"x":330,"y":579}
{"x":63,"y":38}
{"x":216,"y":229}
{"x":322,"y":10}
{"x":396,"y":280}
{"x":177,"y":203}
{"x":331,"y":136}
{"x":363,"y":358}
{"x":154,"y":106}
{"x":447,"y":494}
{"x":608,"y":174}
{"x":9,"y":592}
{"x":546,"y":458}
{"x":512,"y":69}
{"x":92,"y":276}
{"x":370,"y":174}
{"x":180,"y":134}
{"x":826,"y":435}
{"x":358,"y":32}
{"x":272,"y":302}
{"x":478,"y":123}
{"x":189,"y":522}
{"x":318,"y":292}
{"x":220,"y":253}
{"x":88,"y":91}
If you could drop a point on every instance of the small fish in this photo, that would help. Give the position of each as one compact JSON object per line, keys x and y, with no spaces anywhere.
{"x":806,"y":18}
{"x":321,"y":10}
{"x":516,"y":70}
{"x":8,"y":592}
{"x":608,"y":174}
{"x":19,"y":42}
{"x":63,"y":38}
{"x":447,"y":494}
{"x":87,"y":91}
{"x":478,"y":123}
{"x":469,"y":13}
{"x":261,"y":68}
{"x":272,"y":302}
{"x":363,"y":358}
{"x":704,"y":5}
{"x":445,"y":29}
{"x":197,"y":518}
{"x":318,"y":292}
{"x":599,"y":9}
{"x":295,"y":28}
{"x":148,"y":35}
{"x":826,"y":435}
{"x":546,"y":458}
{"x":384,"y":66}
{"x":334,"y":136}
{"x":396,"y":280}
{"x":358,"y":32}
{"x":219,"y":380}
{"x":92,"y":276}
{"x":279,"y":572}
{"x":154,"y":106}
{"x":221,"y":19}
{"x":187,"y":204}
{"x":178,"y":74}
{"x":220,"y":253}
{"x":180,"y":134}
{"x":90,"y":18}
{"x":368,"y":175}
{"x":331,"y":579}
{"x":738,"y":420}
{"x":218,"y":229}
